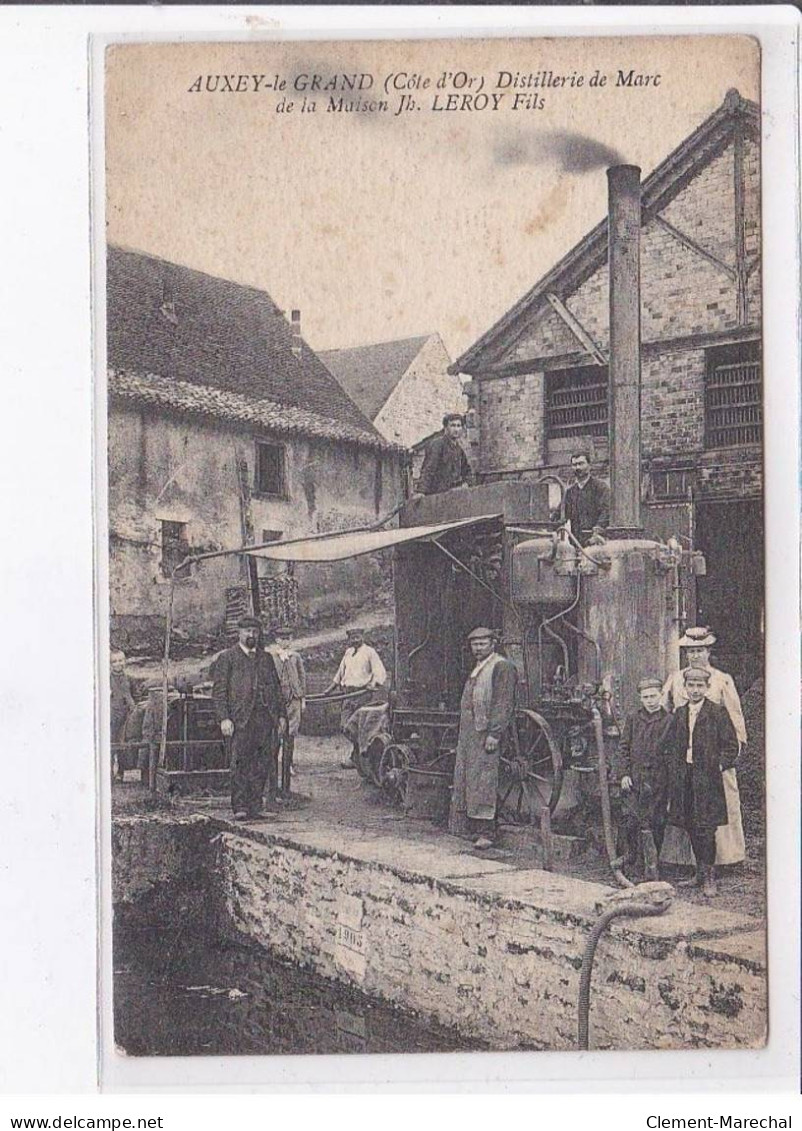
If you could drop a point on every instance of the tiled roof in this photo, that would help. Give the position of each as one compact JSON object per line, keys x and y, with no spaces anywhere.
{"x":370,"y":373}
{"x":222,"y":404}
{"x":657,"y":189}
{"x":197,"y":329}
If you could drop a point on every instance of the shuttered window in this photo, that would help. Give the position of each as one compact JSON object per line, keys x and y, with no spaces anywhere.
{"x":576,"y":402}
{"x":733,"y":396}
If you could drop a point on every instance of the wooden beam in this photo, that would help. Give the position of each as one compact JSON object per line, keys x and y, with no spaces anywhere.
{"x":576,"y":328}
{"x":740,"y":236}
{"x":692,"y":245}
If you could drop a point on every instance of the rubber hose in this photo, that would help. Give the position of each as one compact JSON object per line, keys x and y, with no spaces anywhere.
{"x":623,"y":910}
{"x":604,"y":791}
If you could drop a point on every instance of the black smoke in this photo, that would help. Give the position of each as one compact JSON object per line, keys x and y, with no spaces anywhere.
{"x":570,"y":152}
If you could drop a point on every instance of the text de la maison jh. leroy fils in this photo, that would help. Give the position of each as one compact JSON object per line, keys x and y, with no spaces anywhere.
{"x":451,"y":91}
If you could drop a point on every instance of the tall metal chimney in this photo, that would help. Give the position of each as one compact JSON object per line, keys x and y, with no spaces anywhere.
{"x":624,"y":244}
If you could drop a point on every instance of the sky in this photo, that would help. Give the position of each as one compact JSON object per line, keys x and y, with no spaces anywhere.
{"x":381,"y":224}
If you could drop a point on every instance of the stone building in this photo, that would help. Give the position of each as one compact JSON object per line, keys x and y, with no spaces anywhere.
{"x":540,"y":383}
{"x":224,"y":429}
{"x":404,"y":387}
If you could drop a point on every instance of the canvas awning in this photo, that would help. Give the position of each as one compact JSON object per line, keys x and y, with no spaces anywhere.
{"x":350,"y":543}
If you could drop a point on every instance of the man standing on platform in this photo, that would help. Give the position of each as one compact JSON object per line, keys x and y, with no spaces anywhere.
{"x":487,"y":712}
{"x":251,"y":712}
{"x":445,"y":464}
{"x":587,"y":503}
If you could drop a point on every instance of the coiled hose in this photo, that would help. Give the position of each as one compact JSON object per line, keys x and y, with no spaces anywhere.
{"x":631,"y":909}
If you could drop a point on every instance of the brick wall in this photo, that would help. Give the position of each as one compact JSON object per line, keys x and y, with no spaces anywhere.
{"x":672,"y":403}
{"x":511,"y":414}
{"x":706,"y":208}
{"x":684,"y":296}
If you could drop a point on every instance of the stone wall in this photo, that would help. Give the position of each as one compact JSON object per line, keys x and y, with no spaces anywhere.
{"x":427,"y":390}
{"x":499,"y":964}
{"x":171,"y":468}
{"x":492,"y":951}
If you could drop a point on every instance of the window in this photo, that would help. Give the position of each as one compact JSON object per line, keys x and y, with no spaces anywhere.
{"x":671,"y":483}
{"x":576,"y":402}
{"x":269,"y":477}
{"x":175,"y":547}
{"x":733,"y":408}
{"x":272,"y":535}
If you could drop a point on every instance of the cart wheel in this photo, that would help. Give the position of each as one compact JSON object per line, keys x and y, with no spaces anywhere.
{"x":393,"y":766}
{"x":368,"y":764}
{"x":532,"y":775}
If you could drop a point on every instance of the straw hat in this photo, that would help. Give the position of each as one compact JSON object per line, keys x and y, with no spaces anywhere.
{"x":697,"y":638}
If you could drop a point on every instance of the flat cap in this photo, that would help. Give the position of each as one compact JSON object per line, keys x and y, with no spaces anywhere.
{"x":483,"y":633}
{"x":696,"y":673}
{"x":650,"y":681}
{"x":249,"y":622}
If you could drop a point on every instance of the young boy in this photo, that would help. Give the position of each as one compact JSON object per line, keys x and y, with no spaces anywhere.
{"x":702,"y":745}
{"x":644,"y":767}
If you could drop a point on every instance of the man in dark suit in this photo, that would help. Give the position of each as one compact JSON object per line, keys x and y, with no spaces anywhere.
{"x":251,"y":711}
{"x":587,"y":503}
{"x":445,"y":464}
{"x":701,"y":743}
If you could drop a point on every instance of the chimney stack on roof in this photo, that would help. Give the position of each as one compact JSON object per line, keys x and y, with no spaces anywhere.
{"x":296,"y":333}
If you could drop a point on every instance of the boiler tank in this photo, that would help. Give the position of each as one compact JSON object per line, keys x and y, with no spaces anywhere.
{"x":629,"y":606}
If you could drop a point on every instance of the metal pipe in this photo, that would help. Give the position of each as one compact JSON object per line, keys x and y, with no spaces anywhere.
{"x":604,"y":792}
{"x":624,"y":252}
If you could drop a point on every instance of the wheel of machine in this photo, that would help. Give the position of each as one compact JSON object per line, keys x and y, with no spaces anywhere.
{"x":368,"y":764}
{"x":531,"y":774}
{"x":393,"y":766}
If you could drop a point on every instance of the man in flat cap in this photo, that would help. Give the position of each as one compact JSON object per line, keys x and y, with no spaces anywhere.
{"x":251,"y":711}
{"x":696,"y":645}
{"x":643,"y":766}
{"x":445,"y":464}
{"x":487,"y":711}
{"x":702,"y":745}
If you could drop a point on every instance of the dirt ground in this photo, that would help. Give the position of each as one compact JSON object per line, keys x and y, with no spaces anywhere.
{"x":324,"y":792}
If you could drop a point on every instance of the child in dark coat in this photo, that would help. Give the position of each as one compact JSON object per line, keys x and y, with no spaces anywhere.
{"x":644,"y":768}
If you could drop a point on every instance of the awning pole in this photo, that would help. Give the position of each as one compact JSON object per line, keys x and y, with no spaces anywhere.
{"x":168,"y":629}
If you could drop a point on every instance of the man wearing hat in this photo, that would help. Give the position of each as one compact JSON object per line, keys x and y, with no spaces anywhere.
{"x":445,"y":464}
{"x":721,"y":689}
{"x":250,"y":709}
{"x":361,"y":677}
{"x":643,"y":766}
{"x":702,"y":745}
{"x":487,"y":711}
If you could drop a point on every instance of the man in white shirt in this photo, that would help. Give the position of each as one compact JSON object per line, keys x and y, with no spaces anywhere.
{"x":362,"y":677}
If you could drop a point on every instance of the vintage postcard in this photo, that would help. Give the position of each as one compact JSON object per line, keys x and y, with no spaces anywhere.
{"x":434,"y":401}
